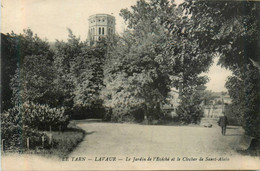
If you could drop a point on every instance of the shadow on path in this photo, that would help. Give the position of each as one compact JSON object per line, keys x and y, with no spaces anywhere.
{"x":87,"y":121}
{"x":232,"y":127}
{"x":234,"y":135}
{"x":89,"y":133}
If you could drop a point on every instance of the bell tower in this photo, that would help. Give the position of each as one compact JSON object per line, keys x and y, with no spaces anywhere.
{"x":100,"y":25}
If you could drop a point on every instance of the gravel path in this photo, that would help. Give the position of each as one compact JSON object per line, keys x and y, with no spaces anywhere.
{"x":133,"y":140}
{"x":138,"y":143}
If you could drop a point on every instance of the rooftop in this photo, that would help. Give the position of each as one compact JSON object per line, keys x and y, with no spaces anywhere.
{"x":101,"y":14}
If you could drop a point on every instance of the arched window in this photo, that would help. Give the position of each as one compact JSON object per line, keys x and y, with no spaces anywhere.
{"x":99,"y":30}
{"x":108,"y":30}
{"x":103,"y":30}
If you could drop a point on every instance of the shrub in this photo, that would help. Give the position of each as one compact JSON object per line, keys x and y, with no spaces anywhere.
{"x":36,"y":116}
{"x":19,"y":123}
{"x":189,"y":110}
{"x":42,"y":116}
{"x":118,"y":115}
{"x":84,"y":113}
{"x":234,"y":115}
{"x":15,"y":136}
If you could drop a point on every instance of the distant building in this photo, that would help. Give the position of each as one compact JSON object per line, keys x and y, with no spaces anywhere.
{"x":216,"y":107}
{"x":223,"y":99}
{"x":100,"y":25}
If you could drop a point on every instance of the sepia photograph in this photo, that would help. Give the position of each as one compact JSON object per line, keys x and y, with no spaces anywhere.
{"x":130,"y":85}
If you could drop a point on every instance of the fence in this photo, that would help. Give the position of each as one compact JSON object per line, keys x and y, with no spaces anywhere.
{"x":29,"y":141}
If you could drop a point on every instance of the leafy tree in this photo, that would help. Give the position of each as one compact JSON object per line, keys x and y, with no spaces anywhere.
{"x":8,"y":67}
{"x":245,"y":99}
{"x":79,"y":76}
{"x":208,"y":96}
{"x":65,"y":53}
{"x":15,"y":49}
{"x":28,"y":44}
{"x":232,"y":30}
{"x":88,"y":71}
{"x":34,"y":81}
{"x":190,"y":109}
{"x":133,"y":78}
{"x":155,"y":54}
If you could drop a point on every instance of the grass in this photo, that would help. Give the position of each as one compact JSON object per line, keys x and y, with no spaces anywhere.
{"x":63,"y":142}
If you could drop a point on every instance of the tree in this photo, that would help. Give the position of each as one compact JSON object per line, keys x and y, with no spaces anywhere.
{"x":65,"y":53}
{"x":88,"y":71}
{"x":245,"y":99}
{"x":79,"y":76}
{"x":208,"y":96}
{"x":133,"y":78}
{"x":34,"y":81}
{"x":15,"y":49}
{"x":156,"y":53}
{"x":190,"y":109}
{"x":232,"y":30}
{"x":8,"y":67}
{"x":28,"y":44}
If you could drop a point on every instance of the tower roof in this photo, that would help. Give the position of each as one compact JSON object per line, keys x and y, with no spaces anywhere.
{"x":101,"y":14}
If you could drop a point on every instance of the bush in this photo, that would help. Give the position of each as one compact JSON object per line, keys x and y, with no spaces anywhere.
{"x":20,"y":122}
{"x":189,"y":110}
{"x":15,"y":137}
{"x":243,"y":88}
{"x":84,"y":113}
{"x":234,"y":115}
{"x":118,"y":115}
{"x":35,"y":116}
{"x":42,"y":117}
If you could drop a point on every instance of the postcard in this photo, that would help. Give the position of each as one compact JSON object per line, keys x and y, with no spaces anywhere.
{"x":130,"y":85}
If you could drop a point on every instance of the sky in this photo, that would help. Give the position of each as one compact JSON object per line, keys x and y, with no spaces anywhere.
{"x":217,"y":77}
{"x":49,"y":19}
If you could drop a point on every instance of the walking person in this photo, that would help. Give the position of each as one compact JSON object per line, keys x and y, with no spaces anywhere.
{"x":223,"y":122}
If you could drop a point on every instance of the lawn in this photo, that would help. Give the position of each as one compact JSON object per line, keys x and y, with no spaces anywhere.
{"x":63,"y":142}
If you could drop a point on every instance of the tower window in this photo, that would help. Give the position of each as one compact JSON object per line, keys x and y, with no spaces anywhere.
{"x":99,"y":30}
{"x":103,"y":30}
